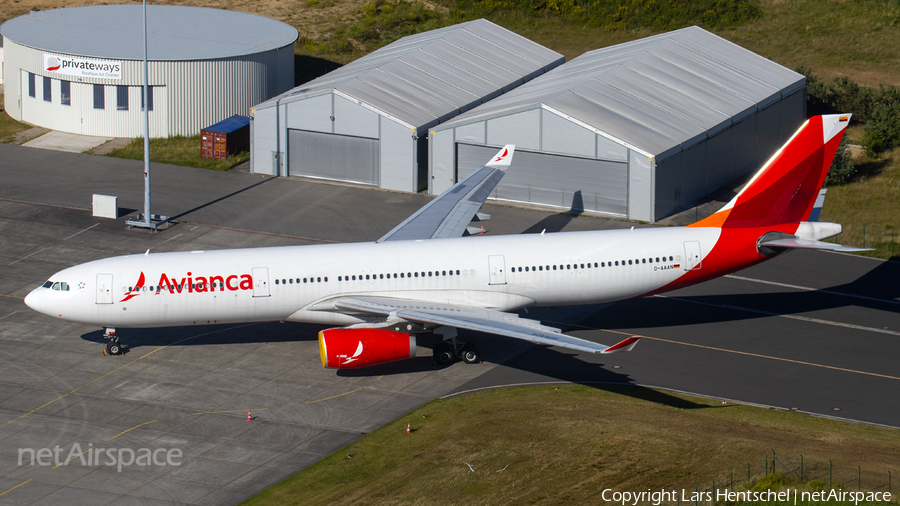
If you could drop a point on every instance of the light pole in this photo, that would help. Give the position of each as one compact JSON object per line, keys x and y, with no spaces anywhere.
{"x":147,"y":219}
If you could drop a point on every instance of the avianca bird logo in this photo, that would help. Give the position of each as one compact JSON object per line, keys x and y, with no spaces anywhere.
{"x":52,"y":63}
{"x":134,"y":292}
{"x":501,"y":157}
{"x":359,"y":350}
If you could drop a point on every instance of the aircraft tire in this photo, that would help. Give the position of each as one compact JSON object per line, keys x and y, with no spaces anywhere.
{"x":444,"y":354}
{"x":470,"y":354}
{"x":113,"y":348}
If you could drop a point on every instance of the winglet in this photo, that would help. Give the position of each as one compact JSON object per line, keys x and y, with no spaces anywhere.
{"x":625,"y":345}
{"x":503,"y":157}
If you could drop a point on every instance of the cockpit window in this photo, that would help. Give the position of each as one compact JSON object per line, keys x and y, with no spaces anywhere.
{"x":48,"y":284}
{"x":64,"y":286}
{"x":56,"y":286}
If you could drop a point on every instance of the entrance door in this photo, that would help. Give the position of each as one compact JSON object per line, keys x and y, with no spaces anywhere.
{"x":260,"y":281}
{"x":497,"y":266}
{"x":104,"y":288}
{"x":692,"y":256}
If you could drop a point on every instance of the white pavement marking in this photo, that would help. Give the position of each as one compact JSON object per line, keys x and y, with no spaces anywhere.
{"x":789,"y":316}
{"x":23,"y":258}
{"x":76,"y":233}
{"x":10,"y":314}
{"x":808,"y":289}
{"x":169,"y":239}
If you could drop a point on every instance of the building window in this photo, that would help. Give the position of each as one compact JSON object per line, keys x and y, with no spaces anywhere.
{"x":48,"y":89}
{"x":99,"y":97}
{"x":65,"y":94}
{"x":122,"y":98}
{"x":149,"y":97}
{"x":31,"y":91}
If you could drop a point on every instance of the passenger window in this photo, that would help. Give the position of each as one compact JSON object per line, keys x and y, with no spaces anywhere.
{"x":629,"y":262}
{"x":540,"y":267}
{"x":318,"y":280}
{"x":417,"y":274}
{"x":443,"y":273}
{"x":457,"y":272}
{"x":617,"y":263}
{"x":670,"y":259}
{"x":569,"y":266}
{"x":554,"y":267}
{"x":326,"y":279}
{"x":526,"y":269}
{"x":401,"y":274}
{"x":644,"y":261}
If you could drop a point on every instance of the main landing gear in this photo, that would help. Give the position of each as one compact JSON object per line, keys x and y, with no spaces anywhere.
{"x":112,"y":345}
{"x":450,"y":348}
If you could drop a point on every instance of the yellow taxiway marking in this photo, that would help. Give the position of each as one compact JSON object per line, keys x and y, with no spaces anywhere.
{"x":82,"y":386}
{"x":135,"y":427}
{"x":842,"y":369}
{"x":118,"y":369}
{"x":334,"y":396}
{"x":231,"y":411}
{"x":17,"y":486}
{"x":75,"y":457}
{"x":12,"y":297}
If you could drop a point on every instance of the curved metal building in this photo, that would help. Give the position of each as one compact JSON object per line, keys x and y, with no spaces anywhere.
{"x":80,"y":69}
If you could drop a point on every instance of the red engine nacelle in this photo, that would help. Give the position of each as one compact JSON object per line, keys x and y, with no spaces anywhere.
{"x":352,"y":348}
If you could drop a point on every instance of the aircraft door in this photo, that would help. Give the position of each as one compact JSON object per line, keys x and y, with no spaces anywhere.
{"x":260,"y":281}
{"x":104,"y":288}
{"x":497,"y":267}
{"x":692,"y":256}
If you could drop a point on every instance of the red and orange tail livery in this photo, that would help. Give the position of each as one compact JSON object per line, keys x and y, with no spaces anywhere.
{"x":785,"y":188}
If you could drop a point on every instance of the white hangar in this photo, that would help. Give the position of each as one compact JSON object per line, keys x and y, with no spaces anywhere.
{"x":367,"y":122}
{"x":638,"y":130}
{"x":80,"y":69}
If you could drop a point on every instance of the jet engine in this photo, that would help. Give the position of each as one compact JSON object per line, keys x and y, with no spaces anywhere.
{"x":361,"y":347}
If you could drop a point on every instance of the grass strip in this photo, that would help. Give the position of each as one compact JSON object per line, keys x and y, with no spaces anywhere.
{"x":541,"y":445}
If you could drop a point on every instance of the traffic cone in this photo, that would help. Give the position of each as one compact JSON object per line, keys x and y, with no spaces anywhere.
{"x":249,"y":418}
{"x":408,"y":428}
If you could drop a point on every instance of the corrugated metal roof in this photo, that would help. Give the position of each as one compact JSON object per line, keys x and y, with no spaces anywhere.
{"x":432,"y":76}
{"x":174,"y":32}
{"x":662,"y":93}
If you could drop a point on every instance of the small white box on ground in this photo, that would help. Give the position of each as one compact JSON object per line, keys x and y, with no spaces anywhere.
{"x":106,"y":206}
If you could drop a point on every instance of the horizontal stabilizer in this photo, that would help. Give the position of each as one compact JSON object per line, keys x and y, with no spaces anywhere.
{"x":797,"y":243}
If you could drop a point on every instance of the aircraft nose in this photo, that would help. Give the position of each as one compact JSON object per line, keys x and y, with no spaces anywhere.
{"x":32,"y":300}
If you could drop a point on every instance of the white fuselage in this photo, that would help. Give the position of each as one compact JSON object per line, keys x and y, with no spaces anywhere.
{"x":294,"y":283}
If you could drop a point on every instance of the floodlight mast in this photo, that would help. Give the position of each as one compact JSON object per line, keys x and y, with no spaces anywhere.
{"x":147,"y":220}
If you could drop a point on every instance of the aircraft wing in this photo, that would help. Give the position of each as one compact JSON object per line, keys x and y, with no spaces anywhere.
{"x":449,"y":214}
{"x":478,"y":319}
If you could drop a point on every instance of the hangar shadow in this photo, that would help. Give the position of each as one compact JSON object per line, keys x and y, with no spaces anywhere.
{"x":307,"y":68}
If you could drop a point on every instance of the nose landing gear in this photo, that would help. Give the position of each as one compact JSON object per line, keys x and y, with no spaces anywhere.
{"x":112,"y":346}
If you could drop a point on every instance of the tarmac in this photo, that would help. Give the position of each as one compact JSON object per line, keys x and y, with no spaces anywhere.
{"x":808,"y":330}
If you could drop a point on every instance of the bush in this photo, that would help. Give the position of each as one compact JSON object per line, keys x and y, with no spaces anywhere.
{"x":882,"y":132}
{"x":842,"y":168}
{"x":878,"y":109}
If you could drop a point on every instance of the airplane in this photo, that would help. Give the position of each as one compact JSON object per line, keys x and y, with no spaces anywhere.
{"x":429,"y":275}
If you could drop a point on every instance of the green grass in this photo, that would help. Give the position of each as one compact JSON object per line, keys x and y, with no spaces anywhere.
{"x":565,"y":446}
{"x":178,"y":150}
{"x":9,"y":126}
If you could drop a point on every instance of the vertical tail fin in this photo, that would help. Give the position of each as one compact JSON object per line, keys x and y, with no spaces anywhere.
{"x":785,"y":188}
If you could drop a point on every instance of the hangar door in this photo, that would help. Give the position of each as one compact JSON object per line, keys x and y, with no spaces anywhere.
{"x":330,"y":156}
{"x":556,"y":180}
